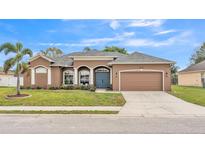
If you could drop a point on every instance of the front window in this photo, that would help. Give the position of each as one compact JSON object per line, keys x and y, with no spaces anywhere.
{"x":41,"y":70}
{"x":84,"y":76}
{"x":102,"y":69}
{"x":68,"y":77}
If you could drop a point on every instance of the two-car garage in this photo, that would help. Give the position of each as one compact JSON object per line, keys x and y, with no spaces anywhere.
{"x":141,"y":81}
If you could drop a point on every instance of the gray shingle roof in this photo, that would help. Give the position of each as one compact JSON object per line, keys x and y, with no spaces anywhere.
{"x":95,"y":53}
{"x":64,"y":61}
{"x":138,"y":57}
{"x":195,"y":67}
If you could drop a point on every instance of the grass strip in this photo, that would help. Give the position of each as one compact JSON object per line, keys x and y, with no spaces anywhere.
{"x":57,"y":112}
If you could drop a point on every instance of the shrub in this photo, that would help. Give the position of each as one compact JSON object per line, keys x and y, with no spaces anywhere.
{"x":53,"y":88}
{"x":38,"y":87}
{"x":29,"y":87}
{"x":22,"y":87}
{"x":68,"y":87}
{"x":84,"y":87}
{"x":92,"y":88}
{"x":76,"y":87}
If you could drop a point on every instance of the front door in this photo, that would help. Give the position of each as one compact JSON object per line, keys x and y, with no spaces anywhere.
{"x":102,"y":79}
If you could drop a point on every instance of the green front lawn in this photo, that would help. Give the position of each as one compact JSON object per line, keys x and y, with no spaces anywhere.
{"x":61,"y":98}
{"x":190,"y":94}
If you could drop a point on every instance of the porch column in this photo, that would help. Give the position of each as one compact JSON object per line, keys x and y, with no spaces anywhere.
{"x":49,"y":76}
{"x":32,"y":76}
{"x":75,"y":76}
{"x":110,"y":75}
{"x":91,"y":76}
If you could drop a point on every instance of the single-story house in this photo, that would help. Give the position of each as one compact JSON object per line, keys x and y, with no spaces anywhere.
{"x":133,"y":72}
{"x":193,"y":75}
{"x":9,"y":79}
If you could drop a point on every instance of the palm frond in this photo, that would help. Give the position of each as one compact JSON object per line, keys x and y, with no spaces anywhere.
{"x":54,"y":52}
{"x":44,"y":52}
{"x":19,"y":57}
{"x":7,"y":48}
{"x":24,"y":67}
{"x":19,"y":46}
{"x":27,"y":51}
{"x":8,"y":64}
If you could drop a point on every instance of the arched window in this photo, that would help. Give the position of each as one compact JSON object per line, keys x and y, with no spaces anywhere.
{"x":102,"y":69}
{"x":41,"y":70}
{"x":84,"y":76}
{"x":68,"y":77}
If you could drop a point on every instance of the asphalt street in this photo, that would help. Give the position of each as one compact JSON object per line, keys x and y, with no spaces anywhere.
{"x":69,"y":124}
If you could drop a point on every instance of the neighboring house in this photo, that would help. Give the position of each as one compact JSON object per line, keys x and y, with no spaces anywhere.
{"x":9,"y":79}
{"x":193,"y":75}
{"x":136,"y":71}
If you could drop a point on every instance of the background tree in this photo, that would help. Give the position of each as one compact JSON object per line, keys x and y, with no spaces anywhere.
{"x":199,"y":55}
{"x":174,"y":70}
{"x":115,"y":49}
{"x":86,"y":49}
{"x":16,"y":60}
{"x":1,"y":69}
{"x":52,"y":52}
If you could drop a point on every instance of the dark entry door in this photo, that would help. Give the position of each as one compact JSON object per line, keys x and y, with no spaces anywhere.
{"x":102,"y":79}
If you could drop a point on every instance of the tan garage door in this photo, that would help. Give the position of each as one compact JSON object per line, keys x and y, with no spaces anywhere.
{"x":141,"y":81}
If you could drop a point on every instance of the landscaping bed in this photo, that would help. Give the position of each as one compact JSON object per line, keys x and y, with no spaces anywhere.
{"x":194,"y":95}
{"x":42,"y":97}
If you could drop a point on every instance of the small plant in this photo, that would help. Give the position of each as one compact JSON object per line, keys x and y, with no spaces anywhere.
{"x":38,"y":87}
{"x":53,"y":88}
{"x":92,"y":88}
{"x":76,"y":87}
{"x":84,"y":87}
{"x":28,"y":87}
{"x":68,"y":87}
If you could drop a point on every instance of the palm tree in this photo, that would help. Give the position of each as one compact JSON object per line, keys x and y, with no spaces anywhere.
{"x":17,"y":60}
{"x":52,"y":52}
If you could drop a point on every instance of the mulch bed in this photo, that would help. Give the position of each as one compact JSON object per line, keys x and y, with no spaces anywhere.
{"x":18,"y":96}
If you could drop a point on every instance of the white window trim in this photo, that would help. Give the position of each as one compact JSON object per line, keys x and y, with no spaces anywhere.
{"x":89,"y":76}
{"x":32,"y":76}
{"x":140,"y":70}
{"x":33,"y":73}
{"x":67,"y":71}
{"x":44,"y":69}
{"x":110,"y":68}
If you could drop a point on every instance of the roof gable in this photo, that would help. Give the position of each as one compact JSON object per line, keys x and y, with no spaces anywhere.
{"x":195,"y":67}
{"x":41,"y":56}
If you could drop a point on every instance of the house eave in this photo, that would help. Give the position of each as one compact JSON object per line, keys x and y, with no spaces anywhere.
{"x":121,"y":63}
{"x":184,"y":72}
{"x":42,"y":56}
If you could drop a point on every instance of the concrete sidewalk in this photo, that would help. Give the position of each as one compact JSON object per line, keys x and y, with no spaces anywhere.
{"x":61,"y":108}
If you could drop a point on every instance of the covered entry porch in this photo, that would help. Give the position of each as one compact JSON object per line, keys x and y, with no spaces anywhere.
{"x":99,"y":76}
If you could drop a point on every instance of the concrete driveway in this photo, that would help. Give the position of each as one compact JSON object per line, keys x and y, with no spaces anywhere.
{"x":158,"y":104}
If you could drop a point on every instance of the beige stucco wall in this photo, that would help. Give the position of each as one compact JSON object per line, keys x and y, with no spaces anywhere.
{"x":190,"y":79}
{"x":40,"y":61}
{"x":163,"y":67}
{"x":56,"y":76}
{"x":27,"y":79}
